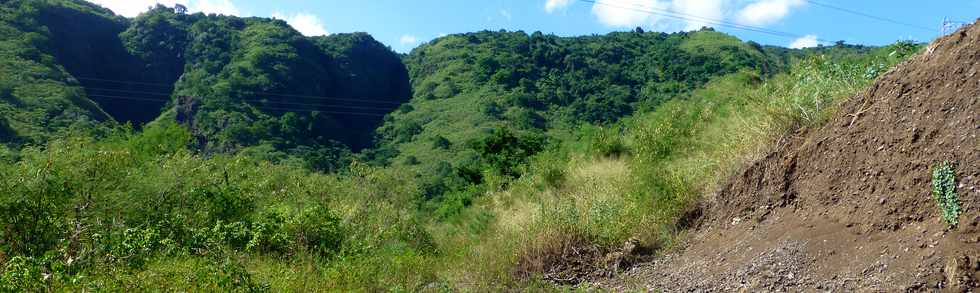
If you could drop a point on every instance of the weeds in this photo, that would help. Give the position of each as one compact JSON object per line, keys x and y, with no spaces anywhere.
{"x":944,"y":191}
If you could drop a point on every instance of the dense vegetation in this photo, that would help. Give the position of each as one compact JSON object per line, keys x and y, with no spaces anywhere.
{"x":514,"y":149}
{"x":256,"y":83}
{"x":487,"y":87}
{"x":36,"y":96}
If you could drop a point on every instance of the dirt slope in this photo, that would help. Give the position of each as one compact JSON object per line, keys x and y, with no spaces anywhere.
{"x":848,"y":206}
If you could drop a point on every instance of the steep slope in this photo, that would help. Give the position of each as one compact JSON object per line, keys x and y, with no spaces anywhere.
{"x":256,"y":83}
{"x":259,"y":84}
{"x":849,"y":206}
{"x":37,"y":95}
{"x":89,"y":44}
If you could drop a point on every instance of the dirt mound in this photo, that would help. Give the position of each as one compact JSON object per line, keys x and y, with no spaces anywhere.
{"x":848,"y":206}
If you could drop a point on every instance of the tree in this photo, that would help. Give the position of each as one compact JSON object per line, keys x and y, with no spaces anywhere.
{"x":180,"y":9}
{"x":440,"y":142}
{"x":505,"y":152}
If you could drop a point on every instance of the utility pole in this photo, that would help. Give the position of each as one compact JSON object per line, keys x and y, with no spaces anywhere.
{"x":949,"y":26}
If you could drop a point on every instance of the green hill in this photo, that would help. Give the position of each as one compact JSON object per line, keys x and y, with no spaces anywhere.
{"x":257,"y":82}
{"x":538,"y":86}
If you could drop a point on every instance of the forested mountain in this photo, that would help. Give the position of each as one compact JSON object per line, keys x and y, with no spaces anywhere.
{"x":255,"y":83}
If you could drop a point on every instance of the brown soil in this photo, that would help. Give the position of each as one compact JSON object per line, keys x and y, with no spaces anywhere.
{"x":848,"y":206}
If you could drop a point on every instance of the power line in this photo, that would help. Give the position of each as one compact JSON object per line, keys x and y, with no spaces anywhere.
{"x":128,"y":98}
{"x":825,"y":5}
{"x":124,"y":82}
{"x":690,"y":17}
{"x":356,"y":100}
{"x":318,"y":111}
{"x":250,"y":105}
{"x":125,"y":91}
{"x":245,"y":100}
{"x":257,"y":106}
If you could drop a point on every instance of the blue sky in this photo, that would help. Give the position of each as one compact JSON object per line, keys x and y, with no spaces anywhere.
{"x":404,"y":25}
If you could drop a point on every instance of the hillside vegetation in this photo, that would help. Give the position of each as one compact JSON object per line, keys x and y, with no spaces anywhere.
{"x":486,"y":101}
{"x":255,"y":84}
{"x":521,"y":161}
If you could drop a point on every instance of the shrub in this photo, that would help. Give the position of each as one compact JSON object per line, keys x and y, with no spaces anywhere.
{"x":133,"y":246}
{"x":505,"y":151}
{"x":269,"y":233}
{"x":166,"y":137}
{"x":944,"y":191}
{"x":440,"y":142}
{"x":608,"y":143}
{"x":22,"y":274}
{"x":318,"y":230}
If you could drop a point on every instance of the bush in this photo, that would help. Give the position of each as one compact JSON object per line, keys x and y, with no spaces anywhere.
{"x":22,"y":274}
{"x":269,"y":233}
{"x":944,"y":191}
{"x":166,"y":137}
{"x":504,"y":151}
{"x":441,"y":143}
{"x":133,"y":246}
{"x":317,"y":229}
{"x":608,"y":143}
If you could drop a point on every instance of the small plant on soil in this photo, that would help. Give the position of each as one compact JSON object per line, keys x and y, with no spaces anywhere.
{"x":944,"y":191}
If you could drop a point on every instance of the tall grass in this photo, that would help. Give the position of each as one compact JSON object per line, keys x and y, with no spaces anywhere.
{"x":137,"y":211}
{"x":642,"y":180}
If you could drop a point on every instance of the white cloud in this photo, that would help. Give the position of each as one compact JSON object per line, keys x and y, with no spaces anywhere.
{"x":804,"y":42}
{"x":307,"y":24}
{"x":506,"y":14}
{"x":765,"y":12}
{"x":552,"y":5}
{"x":132,"y":8}
{"x":214,"y":6}
{"x":690,"y":14}
{"x":628,"y":13}
{"x":443,"y":34}
{"x":700,"y":13}
{"x":408,"y":40}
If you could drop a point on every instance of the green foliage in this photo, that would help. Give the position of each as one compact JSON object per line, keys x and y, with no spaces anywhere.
{"x":440,"y":142}
{"x":37,"y":97}
{"x":21,"y":274}
{"x":7,"y":134}
{"x":262,"y":69}
{"x":944,"y":192}
{"x":577,"y":196}
{"x":257,"y":81}
{"x":78,"y":209}
{"x":505,"y":152}
{"x":161,"y":138}
{"x":537,"y":85}
{"x":608,"y":143}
